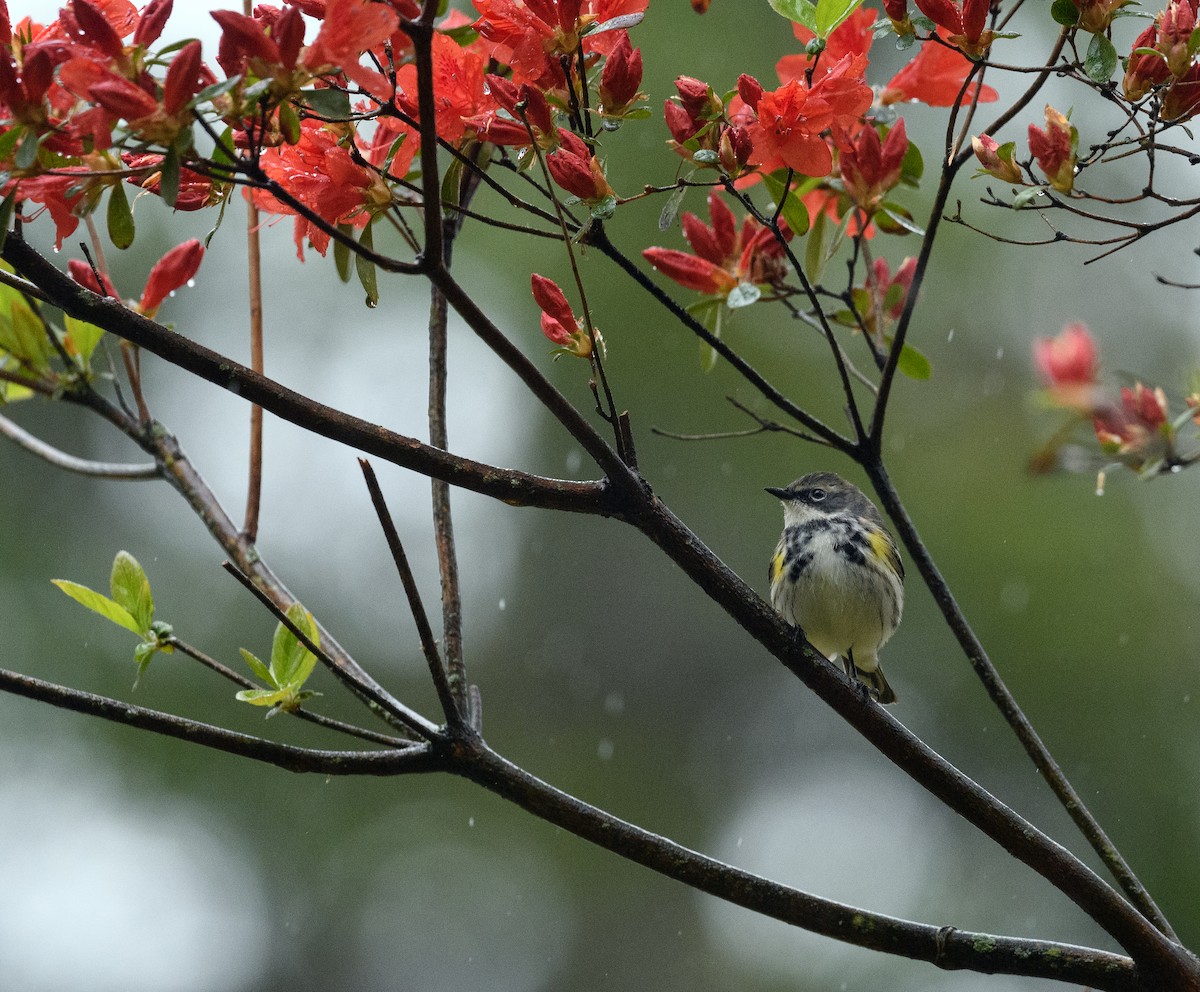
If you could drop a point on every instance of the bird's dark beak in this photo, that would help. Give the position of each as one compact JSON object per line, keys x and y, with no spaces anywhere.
{"x":779,"y":493}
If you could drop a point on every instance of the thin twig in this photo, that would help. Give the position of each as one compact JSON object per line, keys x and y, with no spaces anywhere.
{"x":451,"y":708}
{"x":70,"y":463}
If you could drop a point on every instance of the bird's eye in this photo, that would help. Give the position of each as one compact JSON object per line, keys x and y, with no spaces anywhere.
{"x":816,"y":495}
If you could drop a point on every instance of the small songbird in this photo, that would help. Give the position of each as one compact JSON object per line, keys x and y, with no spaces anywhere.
{"x":836,"y":574}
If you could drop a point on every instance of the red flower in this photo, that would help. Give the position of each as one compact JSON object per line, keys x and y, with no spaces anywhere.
{"x":621,"y":77}
{"x":531,"y":35}
{"x":1054,"y":149}
{"x":170,"y":272}
{"x":965,"y":24}
{"x":935,"y":78}
{"x":1143,"y":71}
{"x":1071,"y":359}
{"x":350,"y":28}
{"x":1137,"y":432}
{"x":881,"y":299}
{"x":1182,"y":100}
{"x":577,"y":170}
{"x":85,"y":275}
{"x":790,"y":121}
{"x":558,"y":320}
{"x":195,"y":191}
{"x":724,"y":256}
{"x":871,"y":168}
{"x":319,"y":172}
{"x":457,"y":86}
{"x":996,"y":159}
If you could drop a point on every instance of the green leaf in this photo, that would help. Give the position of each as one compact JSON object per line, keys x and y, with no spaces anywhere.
{"x":6,"y":215}
{"x":22,"y":333}
{"x":1101,"y":60}
{"x":794,"y":211}
{"x":264,"y":697}
{"x":1065,"y":13}
{"x":814,"y":250}
{"x":258,"y":668}
{"x":341,"y":254}
{"x":743,"y":295}
{"x":291,"y":661}
{"x":223,"y":149}
{"x":330,"y":103}
{"x":131,"y":589}
{"x":366,"y":268}
{"x":27,"y":151}
{"x":895,"y":219}
{"x":913,"y":364}
{"x":831,"y":13}
{"x":710,"y":311}
{"x":120,"y":217}
{"x":289,"y":123}
{"x":800,"y":11}
{"x":216,"y":90}
{"x":1027,"y":197}
{"x":98,"y":603}
{"x":912,"y":167}
{"x":82,"y":339}
{"x":604,"y":209}
{"x":670,"y":210}
{"x":169,"y":183}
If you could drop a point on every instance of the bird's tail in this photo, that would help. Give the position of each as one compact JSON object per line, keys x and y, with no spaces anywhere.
{"x":876,"y":683}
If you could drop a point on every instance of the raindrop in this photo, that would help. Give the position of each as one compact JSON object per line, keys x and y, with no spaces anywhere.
{"x":470,"y":821}
{"x":574,"y":460}
{"x":503,"y":604}
{"x":605,"y":750}
{"x":999,"y":353}
{"x":950,"y":336}
{"x":371,"y":303}
{"x":614,"y":704}
{"x":191,"y":284}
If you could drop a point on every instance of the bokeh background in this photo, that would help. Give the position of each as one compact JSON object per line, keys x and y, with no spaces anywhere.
{"x":131,"y":863}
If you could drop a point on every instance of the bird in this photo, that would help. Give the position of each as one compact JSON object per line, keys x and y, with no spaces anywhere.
{"x":837,"y":575}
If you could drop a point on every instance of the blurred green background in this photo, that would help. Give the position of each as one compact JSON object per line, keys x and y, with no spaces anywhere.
{"x":131,"y":862}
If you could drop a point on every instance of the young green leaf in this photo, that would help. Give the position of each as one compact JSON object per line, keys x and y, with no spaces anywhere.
{"x":120,"y":217}
{"x":258,"y":668}
{"x":794,"y":211}
{"x":131,"y":589}
{"x":913,"y":364}
{"x":670,"y":210}
{"x":291,"y":661}
{"x":98,"y":603}
{"x":831,"y":13}
{"x":82,"y":339}
{"x":366,"y":268}
{"x":743,"y":295}
{"x":800,"y":11}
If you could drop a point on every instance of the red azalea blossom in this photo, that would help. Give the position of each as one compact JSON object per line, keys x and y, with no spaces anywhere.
{"x":870,"y":168}
{"x":195,"y":191}
{"x":559,"y":323}
{"x":1070,"y":364}
{"x":883,"y":295}
{"x":1137,"y":432}
{"x":85,"y":275}
{"x":170,"y":272}
{"x":996,"y":159}
{"x":531,"y":35}
{"x":457,"y":86}
{"x":724,"y":256}
{"x":789,"y":123}
{"x":350,"y":28}
{"x":577,"y":170}
{"x":935,"y":78}
{"x":1143,"y":71}
{"x":965,"y":23}
{"x":319,"y":172}
{"x":1054,"y":149}
{"x":621,"y":77}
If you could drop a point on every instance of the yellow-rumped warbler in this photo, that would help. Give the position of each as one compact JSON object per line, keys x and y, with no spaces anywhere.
{"x":837,"y":575}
